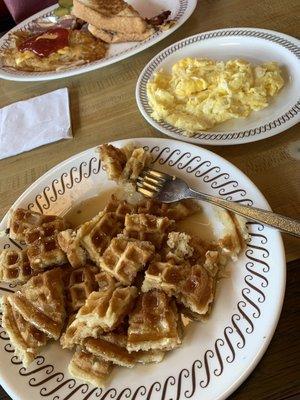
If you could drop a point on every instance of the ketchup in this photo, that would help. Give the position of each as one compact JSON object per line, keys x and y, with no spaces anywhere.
{"x":47,"y":42}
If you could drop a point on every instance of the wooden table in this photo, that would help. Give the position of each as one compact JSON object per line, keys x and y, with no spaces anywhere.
{"x":103,"y":109}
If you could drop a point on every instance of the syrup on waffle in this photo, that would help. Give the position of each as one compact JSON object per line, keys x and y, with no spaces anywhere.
{"x":176,"y":211}
{"x":148,"y":228}
{"x":119,"y":207}
{"x":90,"y":368}
{"x":40,"y":301}
{"x":154,"y":323}
{"x":22,"y":220}
{"x":124,"y":257}
{"x":25,"y":337}
{"x":14,"y":266}
{"x":69,"y":242}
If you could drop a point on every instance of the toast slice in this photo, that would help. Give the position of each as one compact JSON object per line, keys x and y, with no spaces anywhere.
{"x":119,"y":37}
{"x":113,"y":15}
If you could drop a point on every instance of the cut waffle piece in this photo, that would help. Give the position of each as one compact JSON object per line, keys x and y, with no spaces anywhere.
{"x":26,"y":338}
{"x":155,"y":323}
{"x":79,"y":284}
{"x":119,"y":207}
{"x":96,"y":240}
{"x":40,"y":301}
{"x":90,"y":368}
{"x":148,"y":228}
{"x":136,"y":163}
{"x":22,"y":220}
{"x":113,"y":159}
{"x":176,"y":211}
{"x":69,"y":242}
{"x":124,"y":257}
{"x":14,"y":266}
{"x":192,"y":286}
{"x":102,"y":311}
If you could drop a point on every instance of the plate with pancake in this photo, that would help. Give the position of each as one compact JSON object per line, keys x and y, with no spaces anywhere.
{"x":223,"y":87}
{"x":92,"y":34}
{"x":143,"y":322}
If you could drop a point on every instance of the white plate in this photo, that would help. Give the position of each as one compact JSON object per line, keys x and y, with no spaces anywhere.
{"x":181,"y":10}
{"x":216,"y":356}
{"x":254,"y":45}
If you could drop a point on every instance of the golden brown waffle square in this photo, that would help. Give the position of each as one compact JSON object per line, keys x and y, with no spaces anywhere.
{"x":176,"y":211}
{"x":79,"y":284}
{"x":14,"y":266}
{"x":102,"y":311}
{"x":22,"y":220}
{"x":25,"y":337}
{"x":124,"y":257}
{"x":69,"y":242}
{"x":98,"y":238}
{"x":154,"y":324}
{"x":113,"y":159}
{"x":193,"y":286}
{"x":119,"y":207}
{"x":90,"y":368}
{"x":148,"y":228}
{"x":40,"y":301}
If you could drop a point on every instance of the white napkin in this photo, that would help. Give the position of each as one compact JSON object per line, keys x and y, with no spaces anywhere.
{"x":31,"y":123}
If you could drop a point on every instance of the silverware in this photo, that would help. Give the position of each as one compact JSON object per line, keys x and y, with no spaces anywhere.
{"x":168,"y":189}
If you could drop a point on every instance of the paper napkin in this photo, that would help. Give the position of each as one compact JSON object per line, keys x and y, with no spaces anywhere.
{"x":28,"y":124}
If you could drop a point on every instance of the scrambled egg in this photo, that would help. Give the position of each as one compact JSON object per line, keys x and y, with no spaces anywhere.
{"x":200,"y":93}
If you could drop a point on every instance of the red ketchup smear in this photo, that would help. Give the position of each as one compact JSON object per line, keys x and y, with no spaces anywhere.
{"x":43,"y":46}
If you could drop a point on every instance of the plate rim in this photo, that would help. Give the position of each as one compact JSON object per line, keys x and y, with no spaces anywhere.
{"x":9,"y":389}
{"x":289,"y":118}
{"x":189,"y":5}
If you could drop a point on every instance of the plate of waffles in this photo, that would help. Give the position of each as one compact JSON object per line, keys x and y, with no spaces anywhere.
{"x":106,"y":294}
{"x":86,"y":35}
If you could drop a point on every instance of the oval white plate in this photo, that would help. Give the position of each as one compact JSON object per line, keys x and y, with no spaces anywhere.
{"x":216,"y":356}
{"x":254,"y":45}
{"x":181,"y":10}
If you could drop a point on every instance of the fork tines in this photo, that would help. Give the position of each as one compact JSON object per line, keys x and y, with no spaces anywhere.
{"x":150,"y":182}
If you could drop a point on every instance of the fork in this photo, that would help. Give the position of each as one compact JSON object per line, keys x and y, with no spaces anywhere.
{"x":168,"y":189}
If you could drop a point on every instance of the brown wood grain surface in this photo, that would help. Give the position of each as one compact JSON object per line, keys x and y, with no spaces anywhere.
{"x":103,"y":108}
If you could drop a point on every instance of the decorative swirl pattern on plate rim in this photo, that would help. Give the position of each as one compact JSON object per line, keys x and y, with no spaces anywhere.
{"x":224,"y":350}
{"x":267,"y":127}
{"x":183,"y":5}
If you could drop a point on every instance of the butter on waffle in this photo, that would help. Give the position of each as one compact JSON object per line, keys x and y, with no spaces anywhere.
{"x":192,"y":286}
{"x":176,"y":211}
{"x":124,"y":257}
{"x":98,"y":238}
{"x":155,"y":323}
{"x":14,"y":266}
{"x":148,"y":228}
{"x":25,"y":337}
{"x":40,"y":301}
{"x":79,"y":284}
{"x":102,"y":311}
{"x":22,"y":220}
{"x":90,"y":368}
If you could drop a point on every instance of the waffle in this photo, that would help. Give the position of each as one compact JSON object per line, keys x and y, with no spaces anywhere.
{"x":40,"y":301}
{"x":119,"y":207}
{"x":22,"y":220}
{"x":192,"y":286}
{"x":98,"y":238}
{"x":14,"y":266}
{"x":26,"y":338}
{"x":90,"y":368}
{"x":69,"y":242}
{"x":113,"y":159}
{"x":80,"y":283}
{"x":136,"y":163}
{"x":154,"y":324}
{"x":103,"y":311}
{"x":124,"y":257}
{"x":148,"y":228}
{"x":176,"y":211}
